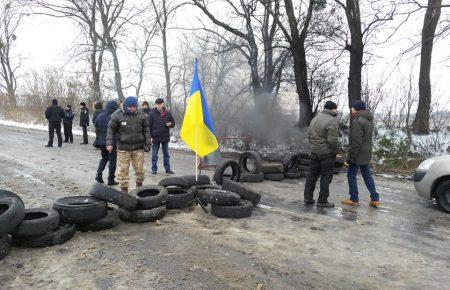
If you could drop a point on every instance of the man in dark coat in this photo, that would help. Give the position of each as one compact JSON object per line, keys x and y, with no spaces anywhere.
{"x":130,"y":127}
{"x":68,"y":122}
{"x":101,"y":128}
{"x":324,"y":138}
{"x":146,"y":108}
{"x":160,"y":121}
{"x":84,"y":121}
{"x":360,"y":154}
{"x":54,"y":115}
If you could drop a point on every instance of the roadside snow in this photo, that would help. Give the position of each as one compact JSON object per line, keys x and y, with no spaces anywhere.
{"x":38,"y":127}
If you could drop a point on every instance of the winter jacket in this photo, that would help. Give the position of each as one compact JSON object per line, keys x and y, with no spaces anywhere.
{"x":146,"y":111}
{"x":131,"y":130}
{"x":101,"y":123}
{"x":54,"y":113}
{"x":84,"y":116}
{"x":98,"y":106}
{"x":360,"y":140}
{"x":323,"y":133}
{"x":158,"y":128}
{"x":68,"y":116}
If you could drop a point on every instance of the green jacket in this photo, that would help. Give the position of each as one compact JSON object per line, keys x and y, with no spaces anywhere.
{"x":323,"y":133}
{"x":132,"y":131}
{"x":360,"y":143}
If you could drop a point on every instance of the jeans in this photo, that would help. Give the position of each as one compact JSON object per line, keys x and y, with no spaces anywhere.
{"x":368,"y":180}
{"x":321,"y":165}
{"x":52,"y":127}
{"x":166,"y":156}
{"x":107,"y":157}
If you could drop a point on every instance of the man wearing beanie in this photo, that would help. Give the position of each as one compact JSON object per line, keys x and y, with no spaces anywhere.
{"x":130,"y":127}
{"x":324,"y":138}
{"x":54,"y":114}
{"x":84,"y":122}
{"x":360,"y":154}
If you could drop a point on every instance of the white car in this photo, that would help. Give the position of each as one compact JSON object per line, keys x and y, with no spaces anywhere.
{"x":432,"y":180}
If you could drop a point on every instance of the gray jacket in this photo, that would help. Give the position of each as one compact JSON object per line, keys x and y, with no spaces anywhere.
{"x":132,"y":130}
{"x":360,"y":143}
{"x":323,"y":133}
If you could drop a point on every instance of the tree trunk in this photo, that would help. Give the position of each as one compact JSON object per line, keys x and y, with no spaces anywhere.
{"x":166,"y":70}
{"x":301,"y":82}
{"x":117,"y":75}
{"x":421,"y":124}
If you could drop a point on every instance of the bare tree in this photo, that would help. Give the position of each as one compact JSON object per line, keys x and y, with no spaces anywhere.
{"x":421,"y":124}
{"x":10,"y":17}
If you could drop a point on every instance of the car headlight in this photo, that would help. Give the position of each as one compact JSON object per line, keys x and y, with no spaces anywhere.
{"x":425,"y":165}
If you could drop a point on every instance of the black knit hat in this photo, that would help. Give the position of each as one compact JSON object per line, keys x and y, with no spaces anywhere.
{"x":159,"y":101}
{"x":359,"y":105}
{"x":83,"y":104}
{"x":54,"y":102}
{"x":330,"y":105}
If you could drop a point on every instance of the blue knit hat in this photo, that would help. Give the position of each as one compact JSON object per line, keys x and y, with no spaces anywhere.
{"x":130,"y":102}
{"x":359,"y":105}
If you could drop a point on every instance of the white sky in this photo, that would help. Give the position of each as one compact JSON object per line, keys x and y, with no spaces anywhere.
{"x":45,"y":42}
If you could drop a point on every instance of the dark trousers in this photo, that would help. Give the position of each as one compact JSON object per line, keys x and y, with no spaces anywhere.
{"x":68,"y":136}
{"x":368,"y":180}
{"x":321,"y":165}
{"x":166,"y":156}
{"x":107,"y":157}
{"x":52,"y":127}
{"x":85,"y":135}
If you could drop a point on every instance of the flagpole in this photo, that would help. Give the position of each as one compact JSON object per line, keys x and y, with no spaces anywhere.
{"x":196,"y":167}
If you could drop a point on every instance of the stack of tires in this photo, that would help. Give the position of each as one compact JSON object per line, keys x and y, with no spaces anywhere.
{"x":180,"y":194}
{"x":12,"y":212}
{"x":222,"y":171}
{"x":304,"y":163}
{"x":251,"y":173}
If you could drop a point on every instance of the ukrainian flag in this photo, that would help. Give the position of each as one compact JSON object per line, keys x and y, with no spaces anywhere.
{"x":198,"y":130}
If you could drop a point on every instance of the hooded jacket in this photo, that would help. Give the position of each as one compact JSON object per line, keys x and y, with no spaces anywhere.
{"x":98,"y":109}
{"x":101,"y":123}
{"x":54,"y":113}
{"x":158,"y":128}
{"x":323,"y":133}
{"x":360,"y":143}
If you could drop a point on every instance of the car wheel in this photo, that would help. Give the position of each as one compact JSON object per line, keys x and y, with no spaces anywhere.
{"x":443,"y":195}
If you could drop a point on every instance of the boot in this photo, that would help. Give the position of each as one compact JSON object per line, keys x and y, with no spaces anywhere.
{"x":350,"y":202}
{"x":124,"y":189}
{"x":374,"y":203}
{"x":138,"y":184}
{"x":325,"y":204}
{"x":49,"y":145}
{"x":99,"y":179}
{"x":309,"y":201}
{"x":112,"y":182}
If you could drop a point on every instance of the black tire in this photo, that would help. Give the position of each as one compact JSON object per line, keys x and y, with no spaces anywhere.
{"x":80,"y":209}
{"x":222,"y":197}
{"x":174,"y":181}
{"x":201,"y":191}
{"x":272,"y":168}
{"x":220,"y":170}
{"x":103,"y":192}
{"x":4,"y":246}
{"x":304,"y":154}
{"x":202,"y":179}
{"x":36,"y":222}
{"x":290,"y":162}
{"x":244,"y":209}
{"x":251,"y":177}
{"x":304,"y":167}
{"x":303,"y":161}
{"x":7,"y":193}
{"x":57,"y":237}
{"x":179,"y":197}
{"x":256,"y":160}
{"x":244,"y":192}
{"x":142,"y":216}
{"x":12,"y":212}
{"x":294,"y":175}
{"x":109,"y":221}
{"x":151,"y":196}
{"x":274,"y":176}
{"x":443,"y":195}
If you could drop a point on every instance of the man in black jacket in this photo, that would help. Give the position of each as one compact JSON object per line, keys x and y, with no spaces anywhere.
{"x":84,"y":121}
{"x":160,"y":121}
{"x":68,"y":122}
{"x":54,"y":115}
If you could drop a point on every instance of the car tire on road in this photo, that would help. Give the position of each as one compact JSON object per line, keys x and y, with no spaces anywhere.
{"x":201,"y":191}
{"x":257,"y":161}
{"x":220,"y":170}
{"x":222,"y":197}
{"x":244,"y":192}
{"x":274,"y":176}
{"x":174,"y":181}
{"x":4,"y":246}
{"x":443,"y":195}
{"x":202,"y":179}
{"x":109,"y":221}
{"x":151,"y":196}
{"x":36,"y":222}
{"x":244,"y":209}
{"x":12,"y":212}
{"x":179,"y":197}
{"x":103,"y":192}
{"x":252,"y":177}
{"x":59,"y":236}
{"x":293,"y":175}
{"x":80,"y":209}
{"x":272,"y":168}
{"x":142,"y":216}
{"x":7,"y":193}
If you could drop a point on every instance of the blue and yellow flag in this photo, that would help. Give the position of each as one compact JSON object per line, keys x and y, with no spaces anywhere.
{"x":198,"y":130}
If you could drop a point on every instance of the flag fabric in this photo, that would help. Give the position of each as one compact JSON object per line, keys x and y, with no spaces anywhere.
{"x":198,"y":130}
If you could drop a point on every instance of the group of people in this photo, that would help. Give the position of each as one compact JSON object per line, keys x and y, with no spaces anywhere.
{"x":323,"y":135}
{"x":123,"y":132}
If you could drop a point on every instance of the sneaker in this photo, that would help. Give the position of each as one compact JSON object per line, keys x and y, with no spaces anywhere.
{"x":309,"y":201}
{"x":112,"y":183}
{"x":170,"y":172}
{"x":350,"y":202}
{"x":325,"y":204}
{"x":154,"y":172}
{"x":374,"y":203}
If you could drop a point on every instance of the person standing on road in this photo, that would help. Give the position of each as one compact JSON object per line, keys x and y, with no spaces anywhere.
{"x":324,"y":138}
{"x":67,"y":122}
{"x":130,"y":126}
{"x":101,"y":128}
{"x":360,"y":154}
{"x":160,"y":121}
{"x":146,"y":108}
{"x":84,"y":122}
{"x":54,"y":114}
{"x":98,"y":109}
